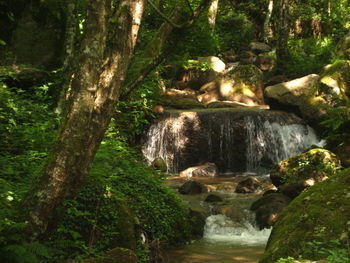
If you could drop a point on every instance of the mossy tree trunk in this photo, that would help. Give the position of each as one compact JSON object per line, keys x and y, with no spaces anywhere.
{"x":106,"y":49}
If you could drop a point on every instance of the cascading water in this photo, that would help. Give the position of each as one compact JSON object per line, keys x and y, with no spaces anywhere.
{"x":235,"y":140}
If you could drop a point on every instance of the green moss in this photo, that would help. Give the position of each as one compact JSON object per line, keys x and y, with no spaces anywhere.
{"x":320,"y":214}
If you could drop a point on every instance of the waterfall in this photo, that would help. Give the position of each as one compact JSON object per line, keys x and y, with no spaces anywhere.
{"x":235,"y":140}
{"x":220,"y":228}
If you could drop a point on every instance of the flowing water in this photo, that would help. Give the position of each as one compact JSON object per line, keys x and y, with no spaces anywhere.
{"x":237,"y":141}
{"x":230,"y":234}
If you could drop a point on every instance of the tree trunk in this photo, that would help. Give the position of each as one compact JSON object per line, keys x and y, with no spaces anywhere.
{"x":267,"y":21}
{"x":212,"y":13}
{"x":281,"y":31}
{"x":105,"y":54}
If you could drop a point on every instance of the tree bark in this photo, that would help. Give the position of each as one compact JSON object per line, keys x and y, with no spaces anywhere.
{"x":267,"y":21}
{"x":212,"y":13}
{"x":281,"y":31}
{"x":105,"y":53}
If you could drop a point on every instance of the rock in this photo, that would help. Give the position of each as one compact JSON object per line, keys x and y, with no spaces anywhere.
{"x":249,"y":185}
{"x":180,"y":94}
{"x":233,"y":212}
{"x":342,"y":150}
{"x":265,"y":62}
{"x":197,"y":221}
{"x":234,"y":104}
{"x":343,"y":46}
{"x":244,"y":84}
{"x":320,"y":214}
{"x":215,"y":63}
{"x":210,"y":92}
{"x":300,"y":93}
{"x":213,"y":199}
{"x":297,"y":173}
{"x":159,"y":164}
{"x":192,"y":187}
{"x":116,"y":255}
{"x":268,"y":209}
{"x":180,"y":103}
{"x":276,"y":80}
{"x":259,"y":47}
{"x":337,"y":78}
{"x":247,"y":58}
{"x":204,"y":170}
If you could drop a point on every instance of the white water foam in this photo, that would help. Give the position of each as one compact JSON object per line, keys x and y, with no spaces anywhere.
{"x":220,"y":228}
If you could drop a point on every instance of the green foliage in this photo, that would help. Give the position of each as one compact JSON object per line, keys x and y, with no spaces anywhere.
{"x":308,"y":56}
{"x":121,"y":193}
{"x":285,"y":260}
{"x":333,"y":251}
{"x":337,"y":121}
{"x":234,"y":30}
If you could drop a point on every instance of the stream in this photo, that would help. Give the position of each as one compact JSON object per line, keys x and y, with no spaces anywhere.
{"x":241,"y":143}
{"x":229,"y":232}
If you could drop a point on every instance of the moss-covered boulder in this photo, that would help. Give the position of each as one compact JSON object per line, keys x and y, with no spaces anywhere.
{"x":301,"y":94}
{"x":337,"y":78}
{"x":243,"y":84}
{"x":297,"y":173}
{"x":314,"y":225}
{"x":116,"y":255}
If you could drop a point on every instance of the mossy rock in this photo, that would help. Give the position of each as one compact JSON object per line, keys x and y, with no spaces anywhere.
{"x":301,"y":94}
{"x":297,"y":173}
{"x":244,"y":84}
{"x":116,"y":255}
{"x":320,"y":215}
{"x":337,"y":77}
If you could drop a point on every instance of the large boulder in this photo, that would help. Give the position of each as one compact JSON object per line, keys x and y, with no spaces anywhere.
{"x":337,"y":78}
{"x":297,"y":173}
{"x":192,"y":187}
{"x":301,"y":94}
{"x":318,"y":216}
{"x":268,"y":208}
{"x":204,"y":170}
{"x":243,"y":84}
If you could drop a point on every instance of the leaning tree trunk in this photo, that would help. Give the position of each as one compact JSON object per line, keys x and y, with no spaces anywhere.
{"x":105,"y":55}
{"x":281,"y":31}
{"x":266,"y":35}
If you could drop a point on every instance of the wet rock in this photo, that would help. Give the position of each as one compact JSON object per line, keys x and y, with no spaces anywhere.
{"x":231,"y":211}
{"x":322,"y":213}
{"x":249,"y":185}
{"x":213,"y":199}
{"x":192,"y":187}
{"x":116,"y":255}
{"x":210,"y":92}
{"x":297,"y":173}
{"x":204,"y":170}
{"x":268,"y":209}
